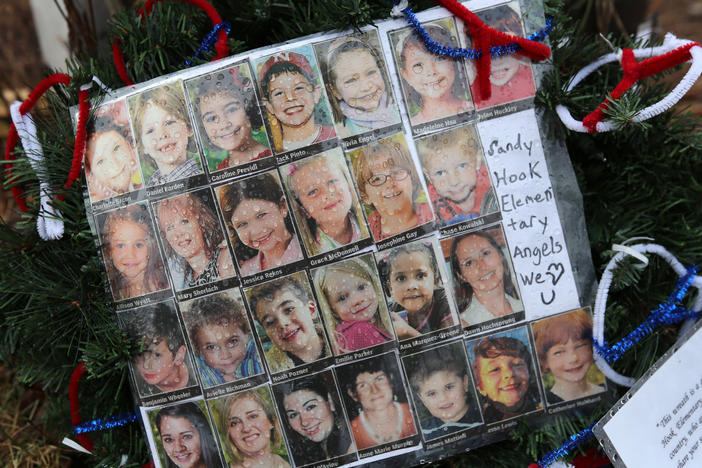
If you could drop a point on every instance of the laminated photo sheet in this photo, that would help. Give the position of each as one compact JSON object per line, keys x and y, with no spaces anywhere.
{"x":328,"y":252}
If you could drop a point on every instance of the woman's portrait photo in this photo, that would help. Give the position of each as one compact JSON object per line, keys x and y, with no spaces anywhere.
{"x":184,"y":437}
{"x":324,"y":202}
{"x":483,"y":278}
{"x":357,"y":83}
{"x":376,"y":401}
{"x":505,"y":377}
{"x":434,"y":86}
{"x":227,"y":117}
{"x":249,"y":430}
{"x":132,"y":258}
{"x":313,"y":419}
{"x":110,"y":161}
{"x":164,"y":134}
{"x":260,"y":224}
{"x":290,"y":327}
{"x":193,"y":238}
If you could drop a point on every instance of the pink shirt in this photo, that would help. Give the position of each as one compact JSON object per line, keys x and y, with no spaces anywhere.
{"x":424,"y":215}
{"x":355,"y":335}
{"x":253,"y":265}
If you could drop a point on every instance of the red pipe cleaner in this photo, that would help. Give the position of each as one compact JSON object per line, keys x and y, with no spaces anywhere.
{"x":485,"y":37}
{"x":13,"y":138}
{"x":78,"y":372}
{"x":635,"y":71}
{"x":81,"y":135}
{"x":220,"y":46}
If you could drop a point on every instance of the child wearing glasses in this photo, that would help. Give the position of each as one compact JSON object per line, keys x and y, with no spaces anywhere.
{"x":390,"y":188}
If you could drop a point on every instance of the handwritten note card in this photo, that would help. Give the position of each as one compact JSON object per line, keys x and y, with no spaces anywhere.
{"x":512,"y":146}
{"x":661,"y":423}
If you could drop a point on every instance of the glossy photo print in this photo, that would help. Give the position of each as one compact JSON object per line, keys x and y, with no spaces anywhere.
{"x":353,"y":305}
{"x":293,"y":95}
{"x":227,"y":117}
{"x":511,"y":77}
{"x":389,"y":186}
{"x":356,"y":78}
{"x":163,"y":363}
{"x":314,"y":420}
{"x":249,"y":429}
{"x":505,"y":376}
{"x":110,"y":162}
{"x":289,"y":324}
{"x":133,"y":261}
{"x":164,"y":134}
{"x":260,"y":224}
{"x":418,"y":300}
{"x":324,"y":202}
{"x":443,"y":391}
{"x":483,"y":278}
{"x":376,"y":401}
{"x":221,"y":338}
{"x":184,"y":436}
{"x":193,"y":238}
{"x":434,"y":87}
{"x":564,"y":350}
{"x":457,"y":178}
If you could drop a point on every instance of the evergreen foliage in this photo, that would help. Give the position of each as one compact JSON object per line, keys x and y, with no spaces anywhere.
{"x":643,"y":180}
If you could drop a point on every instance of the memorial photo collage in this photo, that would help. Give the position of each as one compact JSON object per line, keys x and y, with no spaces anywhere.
{"x":305,"y":247}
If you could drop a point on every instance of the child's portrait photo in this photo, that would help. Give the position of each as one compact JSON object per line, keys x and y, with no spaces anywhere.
{"x":511,"y":77}
{"x":564,"y":349}
{"x":228,"y":119}
{"x":325,"y":204}
{"x":389,"y":186}
{"x":293,"y":95}
{"x":504,"y":374}
{"x":249,"y":430}
{"x":458,"y":180}
{"x":433,"y":86}
{"x":416,"y":293}
{"x":221,"y":338}
{"x":259,"y":221}
{"x":164,"y":135}
{"x":286,"y":311}
{"x":313,"y":418}
{"x":193,"y":239}
{"x":163,"y":363}
{"x":442,"y":390}
{"x":376,"y":401}
{"x":184,"y":437}
{"x":130,"y":250}
{"x":110,"y":161}
{"x":484,"y":284}
{"x":357,"y":83}
{"x":353,"y":305}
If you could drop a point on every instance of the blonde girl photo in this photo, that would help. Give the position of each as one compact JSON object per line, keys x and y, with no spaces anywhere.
{"x":324,"y":202}
{"x":351,"y":299}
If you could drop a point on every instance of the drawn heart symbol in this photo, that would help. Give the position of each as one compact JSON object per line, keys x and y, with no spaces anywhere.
{"x":559,"y":270}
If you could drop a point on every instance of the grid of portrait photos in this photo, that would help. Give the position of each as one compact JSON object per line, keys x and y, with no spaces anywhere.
{"x":306,"y":249}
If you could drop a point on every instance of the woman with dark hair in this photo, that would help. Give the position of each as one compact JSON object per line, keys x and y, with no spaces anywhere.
{"x":257,"y":213}
{"x":483,"y":286}
{"x":314,"y":423}
{"x":133,"y":262}
{"x":228,"y":118}
{"x":383,"y":414}
{"x":194,"y":240}
{"x":186,"y":437}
